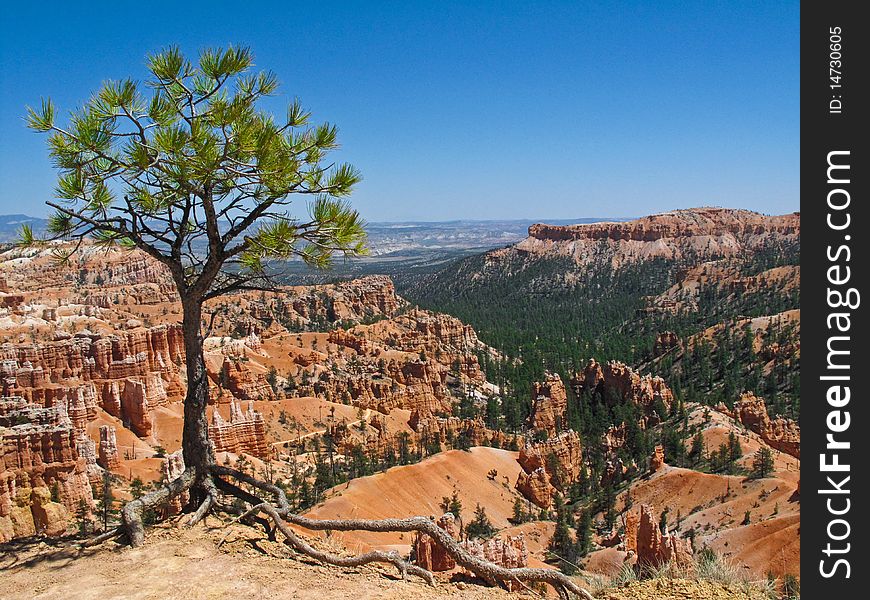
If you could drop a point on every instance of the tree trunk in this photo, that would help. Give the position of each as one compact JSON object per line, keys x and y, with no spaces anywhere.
{"x":198,"y":452}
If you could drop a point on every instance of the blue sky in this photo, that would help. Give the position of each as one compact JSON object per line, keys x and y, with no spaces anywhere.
{"x":466,"y":110}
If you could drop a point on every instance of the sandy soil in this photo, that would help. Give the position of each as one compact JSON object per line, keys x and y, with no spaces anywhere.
{"x":187,"y":564}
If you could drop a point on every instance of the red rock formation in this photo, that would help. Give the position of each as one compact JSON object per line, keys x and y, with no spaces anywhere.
{"x":172,"y":468}
{"x":135,"y":408}
{"x":615,"y":380}
{"x":780,"y":433}
{"x":445,"y":429}
{"x":12,"y":301}
{"x":108,"y":458}
{"x":87,"y":356}
{"x":549,"y":405}
{"x":696,"y":222}
{"x":630,"y":521}
{"x":657,"y":460}
{"x":346,"y":338}
{"x":245,"y":432}
{"x":242,"y":382}
{"x":535,"y":487}
{"x":665,"y":341}
{"x":88,"y":453}
{"x":549,"y":466}
{"x":42,"y":477}
{"x":510,"y":552}
{"x":414,"y":385}
{"x":655,"y":549}
{"x":429,"y":554}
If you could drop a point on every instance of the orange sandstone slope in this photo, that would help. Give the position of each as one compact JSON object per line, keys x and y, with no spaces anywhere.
{"x":755,"y":523}
{"x":418,"y":489}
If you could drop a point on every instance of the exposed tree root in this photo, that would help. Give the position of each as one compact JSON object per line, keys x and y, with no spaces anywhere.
{"x":103,"y":537}
{"x":489,"y":572}
{"x":303,"y":547}
{"x":279,"y":514}
{"x":131,"y":514}
{"x":205,"y":506}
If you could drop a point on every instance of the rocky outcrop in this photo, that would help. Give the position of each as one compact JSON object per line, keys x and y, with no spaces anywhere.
{"x":128,"y":375}
{"x":313,"y":307}
{"x":780,"y":433}
{"x":90,"y":357}
{"x":108,"y":457}
{"x":548,"y":466}
{"x":414,"y":385}
{"x":654,"y":548}
{"x":370,"y":296}
{"x":429,"y":554}
{"x":665,"y":342}
{"x":705,"y":232}
{"x":171,"y":469}
{"x":43,"y":480}
{"x":549,"y":405}
{"x":535,"y":487}
{"x":88,"y":453}
{"x":617,"y":382}
{"x":243,"y":383}
{"x":448,"y":431}
{"x":657,"y":460}
{"x":244,"y":433}
{"x":510,"y":552}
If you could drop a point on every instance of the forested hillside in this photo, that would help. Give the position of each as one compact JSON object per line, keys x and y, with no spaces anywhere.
{"x":546,"y":312}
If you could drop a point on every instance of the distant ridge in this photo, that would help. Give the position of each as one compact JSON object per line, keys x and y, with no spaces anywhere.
{"x":10,"y":225}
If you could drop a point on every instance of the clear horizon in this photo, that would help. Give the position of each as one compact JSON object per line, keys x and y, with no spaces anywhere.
{"x":457,"y":111}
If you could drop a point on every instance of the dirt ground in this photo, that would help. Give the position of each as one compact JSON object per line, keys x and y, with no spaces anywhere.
{"x":177,"y":563}
{"x":181,"y":563}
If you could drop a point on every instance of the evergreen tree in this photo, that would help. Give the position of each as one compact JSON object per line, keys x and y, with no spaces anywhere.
{"x":584,"y":533}
{"x":106,"y":500}
{"x":735,"y":452}
{"x":562,"y":545}
{"x":480,"y":526}
{"x":191,"y":171}
{"x":762,"y":464}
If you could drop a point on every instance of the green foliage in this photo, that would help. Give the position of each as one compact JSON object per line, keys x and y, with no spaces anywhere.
{"x":272,"y":378}
{"x":452,"y":504}
{"x":520,"y":514}
{"x":526,"y":307}
{"x":480,"y":526}
{"x":762,"y":463}
{"x":188,"y":168}
{"x":106,"y":501}
{"x":564,"y":548}
{"x":791,"y":588}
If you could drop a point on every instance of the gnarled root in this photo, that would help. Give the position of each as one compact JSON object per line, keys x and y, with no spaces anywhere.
{"x":301,"y":546}
{"x":131,"y":514}
{"x":280,"y":514}
{"x":490,"y":572}
{"x":205,"y":506}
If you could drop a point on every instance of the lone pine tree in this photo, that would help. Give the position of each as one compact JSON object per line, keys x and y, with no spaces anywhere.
{"x":190,"y":170}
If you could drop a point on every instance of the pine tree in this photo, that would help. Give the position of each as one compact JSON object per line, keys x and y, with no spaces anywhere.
{"x":562,"y":546}
{"x":735,"y":452}
{"x":480,"y":526}
{"x":106,"y":500}
{"x":762,"y":464}
{"x":192,"y":157}
{"x":584,"y":533}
